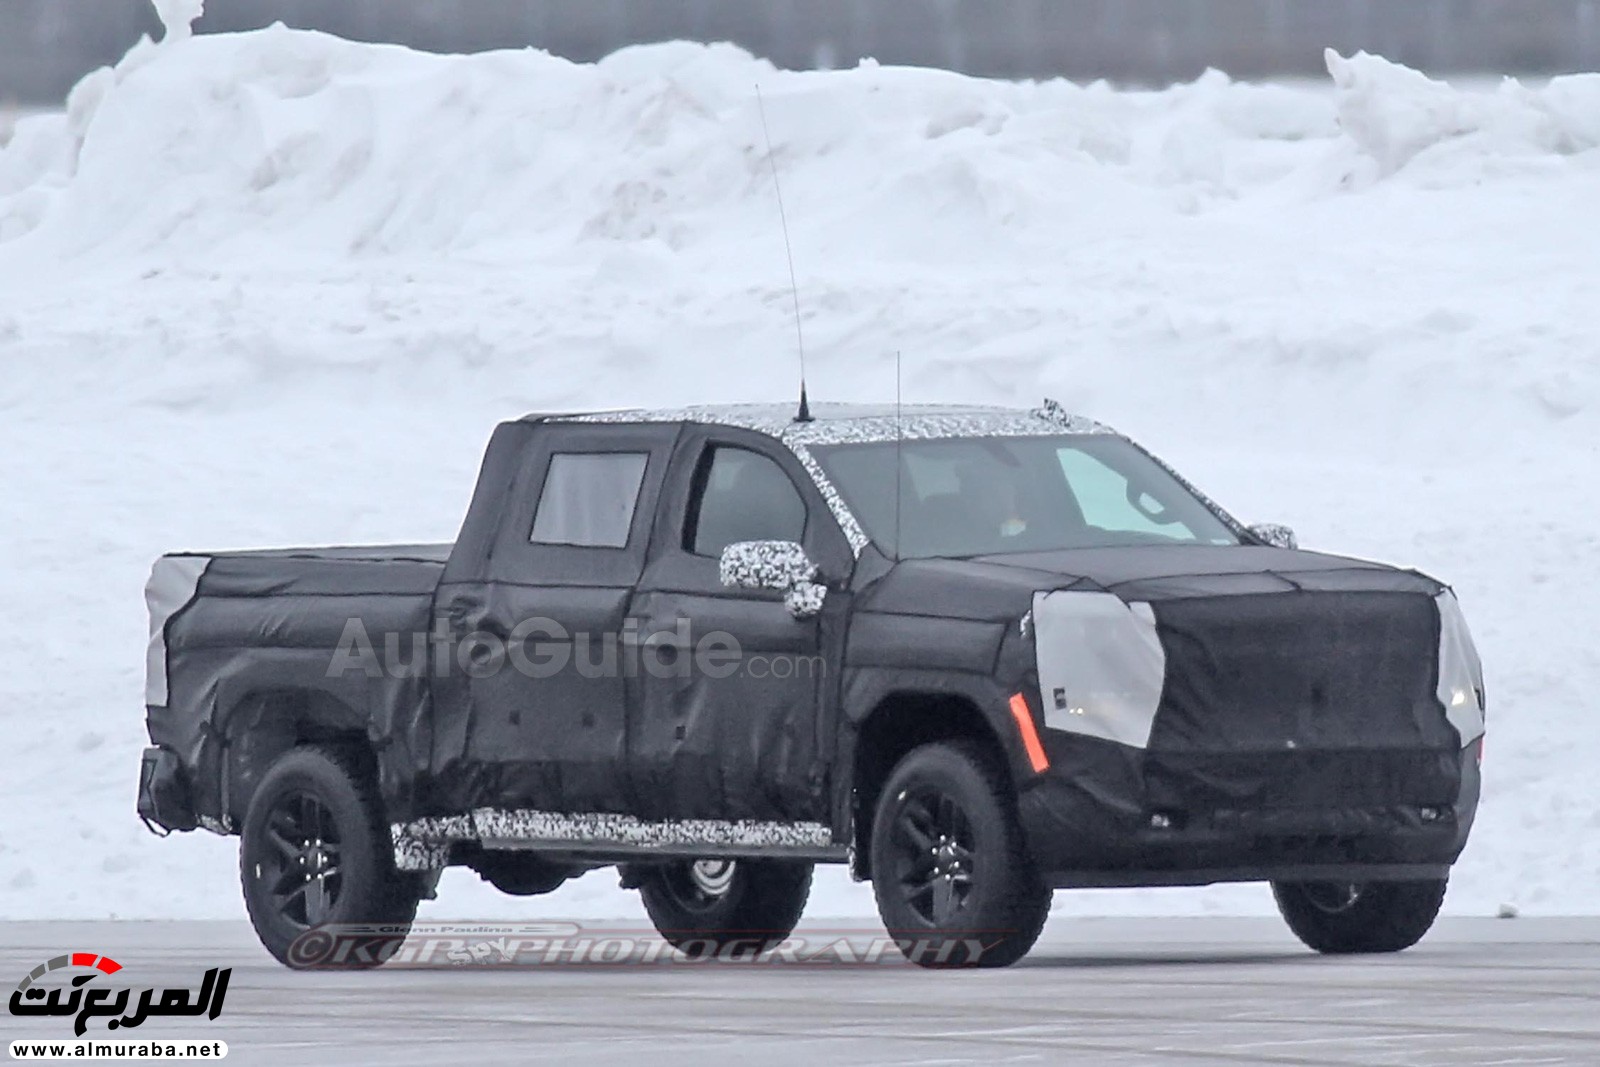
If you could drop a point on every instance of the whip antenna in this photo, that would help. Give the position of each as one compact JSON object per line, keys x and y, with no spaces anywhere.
{"x":804,"y":414}
{"x":899,"y":449}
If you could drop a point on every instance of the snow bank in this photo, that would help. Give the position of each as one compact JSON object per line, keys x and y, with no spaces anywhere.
{"x":1396,"y":114}
{"x":276,"y":287}
{"x":177,"y":17}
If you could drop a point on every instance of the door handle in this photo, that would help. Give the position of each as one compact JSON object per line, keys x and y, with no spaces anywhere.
{"x":670,"y":640}
{"x":456,"y":618}
{"x":462,"y":624}
{"x":633,"y":638}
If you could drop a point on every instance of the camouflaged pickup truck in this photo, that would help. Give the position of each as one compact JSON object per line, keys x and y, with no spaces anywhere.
{"x":976,"y":654}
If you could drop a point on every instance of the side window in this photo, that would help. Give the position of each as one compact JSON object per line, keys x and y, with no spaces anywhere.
{"x":589,"y":499}
{"x":741,"y":495}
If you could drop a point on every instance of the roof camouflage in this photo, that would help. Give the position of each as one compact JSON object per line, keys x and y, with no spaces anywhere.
{"x":853,"y":423}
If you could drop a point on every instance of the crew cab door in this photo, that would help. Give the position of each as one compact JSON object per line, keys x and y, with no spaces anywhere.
{"x":714,"y":734}
{"x":560,"y":541}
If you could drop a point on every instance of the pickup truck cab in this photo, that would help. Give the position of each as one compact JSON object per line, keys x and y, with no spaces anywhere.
{"x":977,"y":654}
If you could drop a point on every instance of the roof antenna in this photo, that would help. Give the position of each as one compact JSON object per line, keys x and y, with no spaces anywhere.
{"x":804,"y":414}
{"x":899,"y":449}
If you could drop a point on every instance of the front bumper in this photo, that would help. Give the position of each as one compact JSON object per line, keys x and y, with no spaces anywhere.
{"x":1089,"y":829}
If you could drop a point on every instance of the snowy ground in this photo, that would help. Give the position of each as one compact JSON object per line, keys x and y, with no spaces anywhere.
{"x":276,"y":288}
{"x":12,"y":113}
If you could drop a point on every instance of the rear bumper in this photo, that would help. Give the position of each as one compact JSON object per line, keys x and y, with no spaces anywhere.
{"x":165,"y":799}
{"x":1087,"y":830}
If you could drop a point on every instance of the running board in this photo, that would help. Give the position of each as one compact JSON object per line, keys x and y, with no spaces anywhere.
{"x":424,"y":844}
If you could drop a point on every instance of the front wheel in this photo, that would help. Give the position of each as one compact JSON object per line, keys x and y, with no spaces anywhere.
{"x":709,"y":907}
{"x":1338,"y":917}
{"x":313,"y":851}
{"x":954,"y":882}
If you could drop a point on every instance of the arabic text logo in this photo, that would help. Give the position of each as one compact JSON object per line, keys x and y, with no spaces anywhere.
{"x":78,"y":998}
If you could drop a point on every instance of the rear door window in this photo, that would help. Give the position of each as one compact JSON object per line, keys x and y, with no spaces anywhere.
{"x":589,"y":499}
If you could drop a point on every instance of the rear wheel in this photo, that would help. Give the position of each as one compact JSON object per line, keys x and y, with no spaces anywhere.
{"x":1340,"y":917}
{"x":711,"y":906}
{"x":954,"y":883}
{"x":314,"y":851}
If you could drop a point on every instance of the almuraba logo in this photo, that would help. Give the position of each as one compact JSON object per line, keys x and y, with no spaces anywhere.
{"x":78,"y":998}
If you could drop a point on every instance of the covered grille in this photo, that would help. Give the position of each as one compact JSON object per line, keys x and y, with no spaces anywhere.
{"x":1300,"y":700}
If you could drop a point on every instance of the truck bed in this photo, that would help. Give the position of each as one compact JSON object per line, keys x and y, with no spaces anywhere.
{"x":233,"y":631}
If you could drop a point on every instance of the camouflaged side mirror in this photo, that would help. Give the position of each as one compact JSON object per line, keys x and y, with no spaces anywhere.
{"x":1275,"y":534}
{"x":782,"y":566}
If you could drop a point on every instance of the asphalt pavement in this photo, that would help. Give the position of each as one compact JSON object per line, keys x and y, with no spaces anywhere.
{"x":1094,"y":991}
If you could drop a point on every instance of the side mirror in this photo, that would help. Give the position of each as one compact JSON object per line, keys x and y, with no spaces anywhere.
{"x":1275,"y":534}
{"x":782,"y":566}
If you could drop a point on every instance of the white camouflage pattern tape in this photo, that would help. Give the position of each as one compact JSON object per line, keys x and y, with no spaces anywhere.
{"x":424,"y":843}
{"x":863,"y":424}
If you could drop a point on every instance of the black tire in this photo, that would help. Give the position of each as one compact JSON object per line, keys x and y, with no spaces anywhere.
{"x":713,"y":907}
{"x":949,"y":866}
{"x":1337,"y":918}
{"x":314,"y":850}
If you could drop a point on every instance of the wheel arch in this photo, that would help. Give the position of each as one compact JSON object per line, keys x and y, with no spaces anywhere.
{"x":901,"y":719}
{"x":262,"y":724}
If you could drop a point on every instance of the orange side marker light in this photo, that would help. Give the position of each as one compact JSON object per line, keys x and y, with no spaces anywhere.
{"x":1030,"y":736}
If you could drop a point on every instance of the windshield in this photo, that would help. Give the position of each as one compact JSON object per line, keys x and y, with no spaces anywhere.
{"x":978,"y":496}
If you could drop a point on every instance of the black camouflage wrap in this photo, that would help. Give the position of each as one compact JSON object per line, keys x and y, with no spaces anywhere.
{"x":248,"y":670}
{"x":1309,"y":713}
{"x":1299,"y":721}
